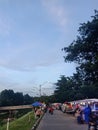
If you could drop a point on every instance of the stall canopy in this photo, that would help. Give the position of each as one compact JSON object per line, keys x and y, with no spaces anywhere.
{"x":36,"y":104}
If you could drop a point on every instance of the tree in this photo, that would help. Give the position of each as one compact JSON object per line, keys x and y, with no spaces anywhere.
{"x":84,"y":51}
{"x":64,"y":89}
{"x":68,"y":88}
{"x":28,"y":99}
{"x":18,"y":98}
{"x":7,"y":97}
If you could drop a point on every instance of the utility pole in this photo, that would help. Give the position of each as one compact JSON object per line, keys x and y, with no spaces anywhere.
{"x":40,"y":90}
{"x":41,"y":85}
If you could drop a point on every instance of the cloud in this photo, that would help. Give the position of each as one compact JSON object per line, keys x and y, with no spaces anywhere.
{"x":26,"y":57}
{"x":4,"y":27}
{"x":56,"y":10}
{"x":6,"y":23}
{"x":26,"y":49}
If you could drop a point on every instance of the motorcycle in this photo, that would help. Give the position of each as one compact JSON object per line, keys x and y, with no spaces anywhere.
{"x":51,"y":111}
{"x":94,"y":126}
{"x":97,"y":124}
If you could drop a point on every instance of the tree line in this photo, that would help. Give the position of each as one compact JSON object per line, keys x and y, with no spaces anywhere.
{"x":84,"y":53}
{"x":10,"y":98}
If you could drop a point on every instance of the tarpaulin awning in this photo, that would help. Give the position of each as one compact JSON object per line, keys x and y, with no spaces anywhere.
{"x":36,"y":104}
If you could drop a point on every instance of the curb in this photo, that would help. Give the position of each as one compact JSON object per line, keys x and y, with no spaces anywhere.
{"x":37,"y":123}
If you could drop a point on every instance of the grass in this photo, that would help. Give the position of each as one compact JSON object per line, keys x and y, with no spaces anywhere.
{"x":24,"y":123}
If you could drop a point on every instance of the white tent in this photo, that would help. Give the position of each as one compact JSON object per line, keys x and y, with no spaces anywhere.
{"x":84,"y":101}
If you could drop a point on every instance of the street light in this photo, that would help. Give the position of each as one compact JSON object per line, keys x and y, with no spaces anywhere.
{"x":40,"y":87}
{"x":40,"y":90}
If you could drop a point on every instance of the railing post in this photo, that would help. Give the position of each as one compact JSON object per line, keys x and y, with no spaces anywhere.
{"x":7,"y":128}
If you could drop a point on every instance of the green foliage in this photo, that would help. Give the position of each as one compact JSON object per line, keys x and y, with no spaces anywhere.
{"x":27,"y":99}
{"x":26,"y":122}
{"x":65,"y":90}
{"x":84,"y":52}
{"x":3,"y":116}
{"x":9,"y":98}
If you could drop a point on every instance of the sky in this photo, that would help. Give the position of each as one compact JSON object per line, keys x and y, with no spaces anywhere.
{"x":32,"y":35}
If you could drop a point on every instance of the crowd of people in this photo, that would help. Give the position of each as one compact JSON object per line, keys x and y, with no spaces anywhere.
{"x":40,"y":110}
{"x":87,"y":116}
{"x":83,"y":115}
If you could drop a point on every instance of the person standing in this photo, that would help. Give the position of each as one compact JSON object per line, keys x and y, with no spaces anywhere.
{"x":38,"y":112}
{"x":87,"y":113}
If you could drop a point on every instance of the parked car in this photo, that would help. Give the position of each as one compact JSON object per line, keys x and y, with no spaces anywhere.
{"x":67,"y":107}
{"x":94,"y":108}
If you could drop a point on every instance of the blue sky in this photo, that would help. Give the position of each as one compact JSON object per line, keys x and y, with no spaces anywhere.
{"x":32,"y":34}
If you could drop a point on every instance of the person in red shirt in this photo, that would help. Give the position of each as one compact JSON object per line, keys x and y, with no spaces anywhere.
{"x":51,"y":110}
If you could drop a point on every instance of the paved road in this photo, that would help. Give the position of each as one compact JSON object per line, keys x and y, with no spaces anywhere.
{"x":60,"y":121}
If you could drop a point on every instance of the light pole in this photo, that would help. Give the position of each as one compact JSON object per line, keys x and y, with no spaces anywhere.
{"x":40,"y":90}
{"x":40,"y":87}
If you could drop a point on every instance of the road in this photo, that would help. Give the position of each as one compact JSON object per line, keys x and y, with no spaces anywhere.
{"x":60,"y":121}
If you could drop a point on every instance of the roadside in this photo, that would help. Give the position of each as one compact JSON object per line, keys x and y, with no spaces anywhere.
{"x":23,"y":123}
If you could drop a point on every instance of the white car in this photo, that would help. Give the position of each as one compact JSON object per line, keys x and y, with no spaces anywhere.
{"x":94,"y":108}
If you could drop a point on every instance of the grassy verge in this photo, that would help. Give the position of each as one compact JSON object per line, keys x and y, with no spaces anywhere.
{"x":24,"y":123}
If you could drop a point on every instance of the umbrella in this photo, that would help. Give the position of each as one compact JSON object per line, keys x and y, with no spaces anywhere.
{"x":36,"y":104}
